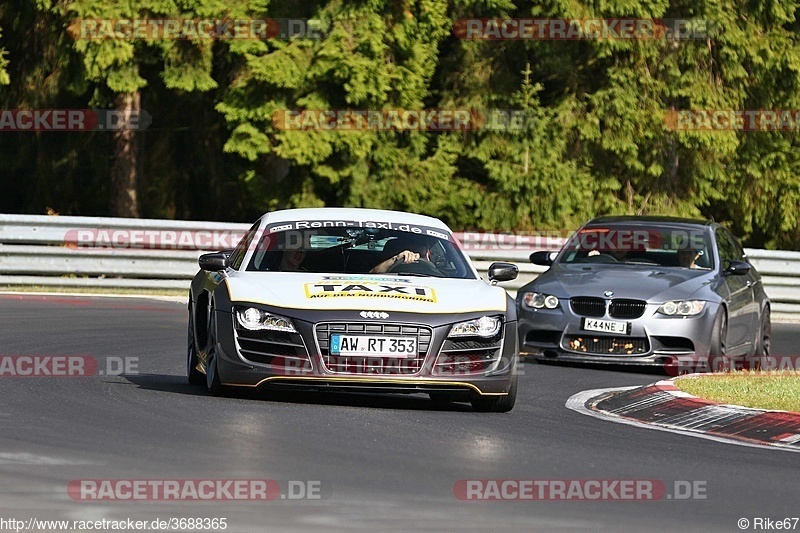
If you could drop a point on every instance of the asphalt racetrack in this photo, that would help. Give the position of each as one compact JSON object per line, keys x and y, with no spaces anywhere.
{"x":372,"y":463}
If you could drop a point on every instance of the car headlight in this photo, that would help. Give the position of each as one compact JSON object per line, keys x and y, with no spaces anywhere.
{"x":539,"y":300}
{"x":682,"y":308}
{"x":485,"y":326}
{"x":256,"y":319}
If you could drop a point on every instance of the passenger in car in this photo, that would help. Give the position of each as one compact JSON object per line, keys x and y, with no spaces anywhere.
{"x":292,"y":261}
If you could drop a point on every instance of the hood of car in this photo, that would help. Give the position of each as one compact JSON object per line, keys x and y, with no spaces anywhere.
{"x":300,"y":290}
{"x":629,"y":281}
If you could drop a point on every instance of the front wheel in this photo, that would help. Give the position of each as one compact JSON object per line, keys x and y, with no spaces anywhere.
{"x":497,"y":404}
{"x":718,"y":360}
{"x":761,"y":355}
{"x":194,"y":376}
{"x":213,"y":383}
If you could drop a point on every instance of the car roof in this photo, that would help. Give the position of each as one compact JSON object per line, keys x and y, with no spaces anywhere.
{"x":631,"y":220}
{"x":353,"y":214}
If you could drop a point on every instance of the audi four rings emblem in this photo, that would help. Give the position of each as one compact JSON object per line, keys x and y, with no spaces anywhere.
{"x":374,"y":314}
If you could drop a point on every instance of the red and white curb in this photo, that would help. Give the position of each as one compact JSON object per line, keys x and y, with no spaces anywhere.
{"x":662,"y":406}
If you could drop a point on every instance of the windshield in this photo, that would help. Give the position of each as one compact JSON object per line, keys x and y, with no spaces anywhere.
{"x":358,"y":250}
{"x":663,"y":246}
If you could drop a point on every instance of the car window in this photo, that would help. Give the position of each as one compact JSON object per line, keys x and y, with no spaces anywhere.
{"x":738,"y":251}
{"x":356,"y":250}
{"x":664,"y":246}
{"x":237,"y":256}
{"x":727,"y":251}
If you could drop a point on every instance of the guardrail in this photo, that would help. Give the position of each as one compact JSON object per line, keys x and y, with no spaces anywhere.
{"x":66,"y":251}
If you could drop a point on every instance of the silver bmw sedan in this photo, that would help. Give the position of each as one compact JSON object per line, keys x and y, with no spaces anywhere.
{"x":647,"y":290}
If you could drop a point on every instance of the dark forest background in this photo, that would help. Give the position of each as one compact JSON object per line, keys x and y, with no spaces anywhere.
{"x":599,"y":142}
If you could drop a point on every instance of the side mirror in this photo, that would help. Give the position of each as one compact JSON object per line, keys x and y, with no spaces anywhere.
{"x":738,"y":268}
{"x":503,"y":271}
{"x":213,"y":262}
{"x":543,"y":258}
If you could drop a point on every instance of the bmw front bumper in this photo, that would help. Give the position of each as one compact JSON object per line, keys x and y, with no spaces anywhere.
{"x":653,"y":339}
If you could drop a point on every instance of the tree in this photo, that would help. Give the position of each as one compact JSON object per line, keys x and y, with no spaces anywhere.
{"x":598,"y":138}
{"x":4,"y":79}
{"x":379,"y":56}
{"x":115,"y":65}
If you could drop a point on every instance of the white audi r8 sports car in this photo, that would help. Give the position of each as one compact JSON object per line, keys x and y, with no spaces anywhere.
{"x":353,"y":300}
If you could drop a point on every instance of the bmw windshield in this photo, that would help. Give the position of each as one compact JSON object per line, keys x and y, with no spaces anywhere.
{"x":678,"y":247}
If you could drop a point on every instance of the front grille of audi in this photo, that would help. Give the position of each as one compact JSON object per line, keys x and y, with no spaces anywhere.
{"x":373,"y":365}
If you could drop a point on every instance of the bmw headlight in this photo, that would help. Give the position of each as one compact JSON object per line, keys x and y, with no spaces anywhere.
{"x":682,"y":308}
{"x":540,"y":300}
{"x":256,"y":319}
{"x":485,"y":326}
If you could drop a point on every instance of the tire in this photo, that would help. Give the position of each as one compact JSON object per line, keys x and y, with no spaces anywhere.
{"x":213,"y":384}
{"x":194,"y":376}
{"x":212,"y":381}
{"x":718,"y":358}
{"x":763,"y":345}
{"x":497,"y":404}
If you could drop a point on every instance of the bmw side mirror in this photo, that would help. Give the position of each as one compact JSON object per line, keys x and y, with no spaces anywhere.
{"x":213,"y":262}
{"x":738,"y":268}
{"x":543,"y":258}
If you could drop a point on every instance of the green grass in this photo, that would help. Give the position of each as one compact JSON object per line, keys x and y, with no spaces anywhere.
{"x":95,"y":290}
{"x":760,"y":390}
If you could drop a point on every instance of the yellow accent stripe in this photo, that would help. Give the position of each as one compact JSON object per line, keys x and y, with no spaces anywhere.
{"x":369,"y":380}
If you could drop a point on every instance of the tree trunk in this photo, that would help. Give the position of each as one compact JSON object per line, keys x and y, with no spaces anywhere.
{"x":123,"y":199}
